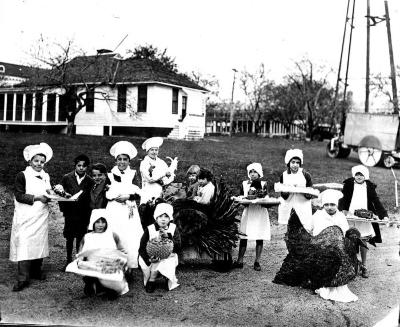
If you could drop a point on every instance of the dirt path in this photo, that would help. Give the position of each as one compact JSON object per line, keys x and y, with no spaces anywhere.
{"x":240,"y":297}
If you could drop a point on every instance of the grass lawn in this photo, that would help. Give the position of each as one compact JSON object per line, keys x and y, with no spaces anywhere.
{"x":240,"y":297}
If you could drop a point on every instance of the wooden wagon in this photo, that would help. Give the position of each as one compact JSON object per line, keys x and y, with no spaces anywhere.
{"x":374,"y":136}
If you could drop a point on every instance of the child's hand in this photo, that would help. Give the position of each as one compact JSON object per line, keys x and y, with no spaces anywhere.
{"x":154,"y":259}
{"x":122,"y":198}
{"x":41,"y":198}
{"x":168,"y":174}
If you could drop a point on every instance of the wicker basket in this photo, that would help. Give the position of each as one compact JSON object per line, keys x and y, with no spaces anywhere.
{"x":159,"y":248}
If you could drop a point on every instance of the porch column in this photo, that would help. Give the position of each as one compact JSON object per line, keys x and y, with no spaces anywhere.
{"x":57,"y":107}
{"x":23,"y":106}
{"x":44,"y":108}
{"x":14,"y":106}
{"x":5,"y":107}
{"x":33,"y":106}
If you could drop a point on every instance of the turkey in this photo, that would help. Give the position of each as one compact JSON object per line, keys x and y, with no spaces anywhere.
{"x":206,"y":228}
{"x":326,"y":260}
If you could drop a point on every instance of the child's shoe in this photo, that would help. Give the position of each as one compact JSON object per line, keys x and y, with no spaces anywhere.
{"x":150,"y":287}
{"x":238,"y":265}
{"x":257,"y":266}
{"x":364,"y":272}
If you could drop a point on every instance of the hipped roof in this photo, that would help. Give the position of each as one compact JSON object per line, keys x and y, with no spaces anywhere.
{"x":109,"y":69}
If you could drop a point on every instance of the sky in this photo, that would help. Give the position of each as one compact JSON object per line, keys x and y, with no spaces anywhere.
{"x":209,"y":36}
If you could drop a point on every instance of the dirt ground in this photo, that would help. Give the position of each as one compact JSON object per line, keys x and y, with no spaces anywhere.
{"x":205,"y":297}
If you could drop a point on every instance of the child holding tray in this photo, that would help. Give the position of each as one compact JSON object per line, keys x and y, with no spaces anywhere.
{"x":255,"y":223}
{"x":295,"y":176}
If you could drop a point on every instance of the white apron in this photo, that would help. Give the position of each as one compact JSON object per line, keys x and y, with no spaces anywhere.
{"x":150,"y":188}
{"x":29,"y":233}
{"x":255,"y":219}
{"x":105,"y":241}
{"x":360,"y":201}
{"x":123,"y":218}
{"x":295,"y":201}
{"x":165,"y":267}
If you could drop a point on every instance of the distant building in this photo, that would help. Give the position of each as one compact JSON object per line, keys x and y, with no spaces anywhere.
{"x":11,"y":74}
{"x":123,"y":96}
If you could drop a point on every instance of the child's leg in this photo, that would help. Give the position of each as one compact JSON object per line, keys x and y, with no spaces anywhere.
{"x":242,"y":250}
{"x":70,"y":246}
{"x":36,"y":269}
{"x":364,"y":271}
{"x":23,"y":275}
{"x":259,"y":247}
{"x":153,"y":276}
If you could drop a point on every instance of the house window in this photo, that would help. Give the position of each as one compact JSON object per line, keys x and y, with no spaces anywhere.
{"x":18,"y":106}
{"x":142,"y":98}
{"x":38,"y":106}
{"x":121,"y":98}
{"x":175,"y":93}
{"x":89,"y":101}
{"x":51,"y":107}
{"x":184,"y":107}
{"x":67,"y":104}
{"x":10,"y":105}
{"x":2,"y":97}
{"x":28,"y":107}
{"x":2,"y":69}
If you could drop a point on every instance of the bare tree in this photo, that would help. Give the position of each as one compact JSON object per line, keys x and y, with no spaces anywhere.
{"x":68,"y":79}
{"x":314,"y":94}
{"x":259,"y":93}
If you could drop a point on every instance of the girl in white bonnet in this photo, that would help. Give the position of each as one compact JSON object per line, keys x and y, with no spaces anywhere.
{"x":123,"y":215}
{"x":359,"y":193}
{"x":29,"y":233}
{"x":295,"y":175}
{"x":255,"y":223}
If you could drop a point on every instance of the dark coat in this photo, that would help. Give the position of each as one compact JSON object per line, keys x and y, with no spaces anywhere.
{"x":374,"y":204}
{"x":77,"y":214}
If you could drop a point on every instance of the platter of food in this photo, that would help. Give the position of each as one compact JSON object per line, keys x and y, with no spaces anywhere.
{"x":325,"y":186}
{"x":268,"y":201}
{"x":57,"y":197}
{"x":279,"y":187}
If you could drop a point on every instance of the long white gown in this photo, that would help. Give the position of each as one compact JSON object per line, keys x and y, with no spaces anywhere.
{"x":123,"y":218}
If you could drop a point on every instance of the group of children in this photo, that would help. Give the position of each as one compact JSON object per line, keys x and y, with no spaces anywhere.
{"x":112,"y":199}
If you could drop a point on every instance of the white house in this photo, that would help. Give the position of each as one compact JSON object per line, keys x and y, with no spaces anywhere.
{"x":122,"y":96}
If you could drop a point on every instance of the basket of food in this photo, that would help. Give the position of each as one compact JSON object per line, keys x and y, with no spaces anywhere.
{"x":159,"y":247}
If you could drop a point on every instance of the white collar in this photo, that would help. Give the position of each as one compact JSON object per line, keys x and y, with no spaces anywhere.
{"x":127,"y":172}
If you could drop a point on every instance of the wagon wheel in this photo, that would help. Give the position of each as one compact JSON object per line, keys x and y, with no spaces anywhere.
{"x":338,"y":151}
{"x":369,"y":156}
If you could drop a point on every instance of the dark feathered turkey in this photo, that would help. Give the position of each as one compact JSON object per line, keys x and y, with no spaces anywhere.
{"x":326,"y":260}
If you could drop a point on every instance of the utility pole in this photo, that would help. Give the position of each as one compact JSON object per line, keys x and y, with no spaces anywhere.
{"x":392,"y":67}
{"x":367,"y":61}
{"x":232,"y":108}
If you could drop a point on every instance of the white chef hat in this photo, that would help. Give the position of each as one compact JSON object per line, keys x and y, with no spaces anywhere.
{"x":152,"y":142}
{"x":96,"y":214}
{"x":43,"y":148}
{"x":360,"y":169}
{"x":164,"y":208}
{"x":255,"y":166}
{"x":330,"y":196}
{"x":292,"y":153}
{"x":123,"y":147}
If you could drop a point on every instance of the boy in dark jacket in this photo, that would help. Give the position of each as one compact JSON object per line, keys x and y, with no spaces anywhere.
{"x":76,"y":213}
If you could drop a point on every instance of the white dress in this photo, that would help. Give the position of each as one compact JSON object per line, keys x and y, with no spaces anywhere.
{"x":295,"y":201}
{"x":360,"y":201}
{"x":30,"y":228}
{"x":123,"y":218}
{"x":105,"y":240}
{"x":165,"y":267}
{"x":255,"y":219}
{"x":150,"y":187}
